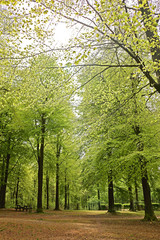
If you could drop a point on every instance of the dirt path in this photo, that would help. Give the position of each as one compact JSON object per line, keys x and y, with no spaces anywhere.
{"x":75,"y":225}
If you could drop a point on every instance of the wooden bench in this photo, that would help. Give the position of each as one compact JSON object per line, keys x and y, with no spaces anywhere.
{"x":18,"y":207}
{"x":25,"y":207}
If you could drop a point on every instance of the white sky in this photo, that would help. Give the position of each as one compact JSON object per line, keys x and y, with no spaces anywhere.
{"x":62,"y":34}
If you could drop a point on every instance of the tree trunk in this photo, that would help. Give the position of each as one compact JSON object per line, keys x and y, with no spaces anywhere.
{"x":99,"y":200}
{"x":57,"y":187}
{"x":52,"y":199}
{"x":2,"y":171}
{"x":110,"y":193}
{"x":68,"y":204}
{"x":137,"y":199}
{"x":149,"y":213}
{"x":47,"y":189}
{"x":131,"y":207}
{"x":57,"y":174}
{"x":17,"y":190}
{"x":40,"y":165}
{"x":4,"y":175}
{"x":65,"y":190}
{"x":4,"y":182}
{"x":40,"y":184}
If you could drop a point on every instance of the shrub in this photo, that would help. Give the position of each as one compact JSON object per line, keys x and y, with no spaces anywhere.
{"x":126,"y":206}
{"x":103,"y":207}
{"x":156,"y":206}
{"x":141,"y":206}
{"x":118,"y":206}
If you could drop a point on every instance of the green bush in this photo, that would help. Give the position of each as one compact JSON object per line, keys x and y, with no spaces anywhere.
{"x":126,"y":206}
{"x":156,"y":206}
{"x":118,"y":206}
{"x":141,"y":206}
{"x":103,"y":207}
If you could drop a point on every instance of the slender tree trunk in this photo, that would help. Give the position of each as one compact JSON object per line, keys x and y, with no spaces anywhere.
{"x":47,"y":189}
{"x":34,"y":193}
{"x":99,"y":199}
{"x":131,"y":207}
{"x":13,"y":195}
{"x":149,"y":212}
{"x":2,"y":171}
{"x":57,"y":174}
{"x":68,"y":204}
{"x":4,"y":176}
{"x":110,"y":193}
{"x":136,"y":193}
{"x":4,"y":185}
{"x":57,"y":187}
{"x":53,"y":195}
{"x":40,"y":165}
{"x":40,"y":184}
{"x":17,"y":190}
{"x":65,"y":190}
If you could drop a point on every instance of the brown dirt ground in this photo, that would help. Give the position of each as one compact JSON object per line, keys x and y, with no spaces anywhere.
{"x":76,"y":225}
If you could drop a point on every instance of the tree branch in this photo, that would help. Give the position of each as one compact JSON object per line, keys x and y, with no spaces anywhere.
{"x":82,"y":85}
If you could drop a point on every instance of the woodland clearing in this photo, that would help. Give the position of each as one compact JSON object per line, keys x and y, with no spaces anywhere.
{"x":76,"y":225}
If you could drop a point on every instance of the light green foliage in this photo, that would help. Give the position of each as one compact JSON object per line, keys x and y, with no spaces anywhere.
{"x":109,"y":112}
{"x":118,"y":44}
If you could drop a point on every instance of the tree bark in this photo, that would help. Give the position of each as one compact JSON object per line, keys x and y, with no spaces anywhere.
{"x":17,"y":190}
{"x":4,"y":185}
{"x":2,"y":171}
{"x":47,"y":189}
{"x":110,"y":193}
{"x":40,"y":165}
{"x":149,"y":213}
{"x":137,"y":199}
{"x":57,"y":186}
{"x":52,"y":199}
{"x":65,"y":190}
{"x":99,"y":199}
{"x":68,"y":204}
{"x":57,"y":174}
{"x":131,"y":207}
{"x":4,"y":176}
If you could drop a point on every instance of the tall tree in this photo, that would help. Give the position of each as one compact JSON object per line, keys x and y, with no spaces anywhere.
{"x":58,"y":152}
{"x":40,"y":157}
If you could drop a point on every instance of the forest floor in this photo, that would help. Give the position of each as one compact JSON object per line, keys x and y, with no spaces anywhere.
{"x":76,"y":225}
